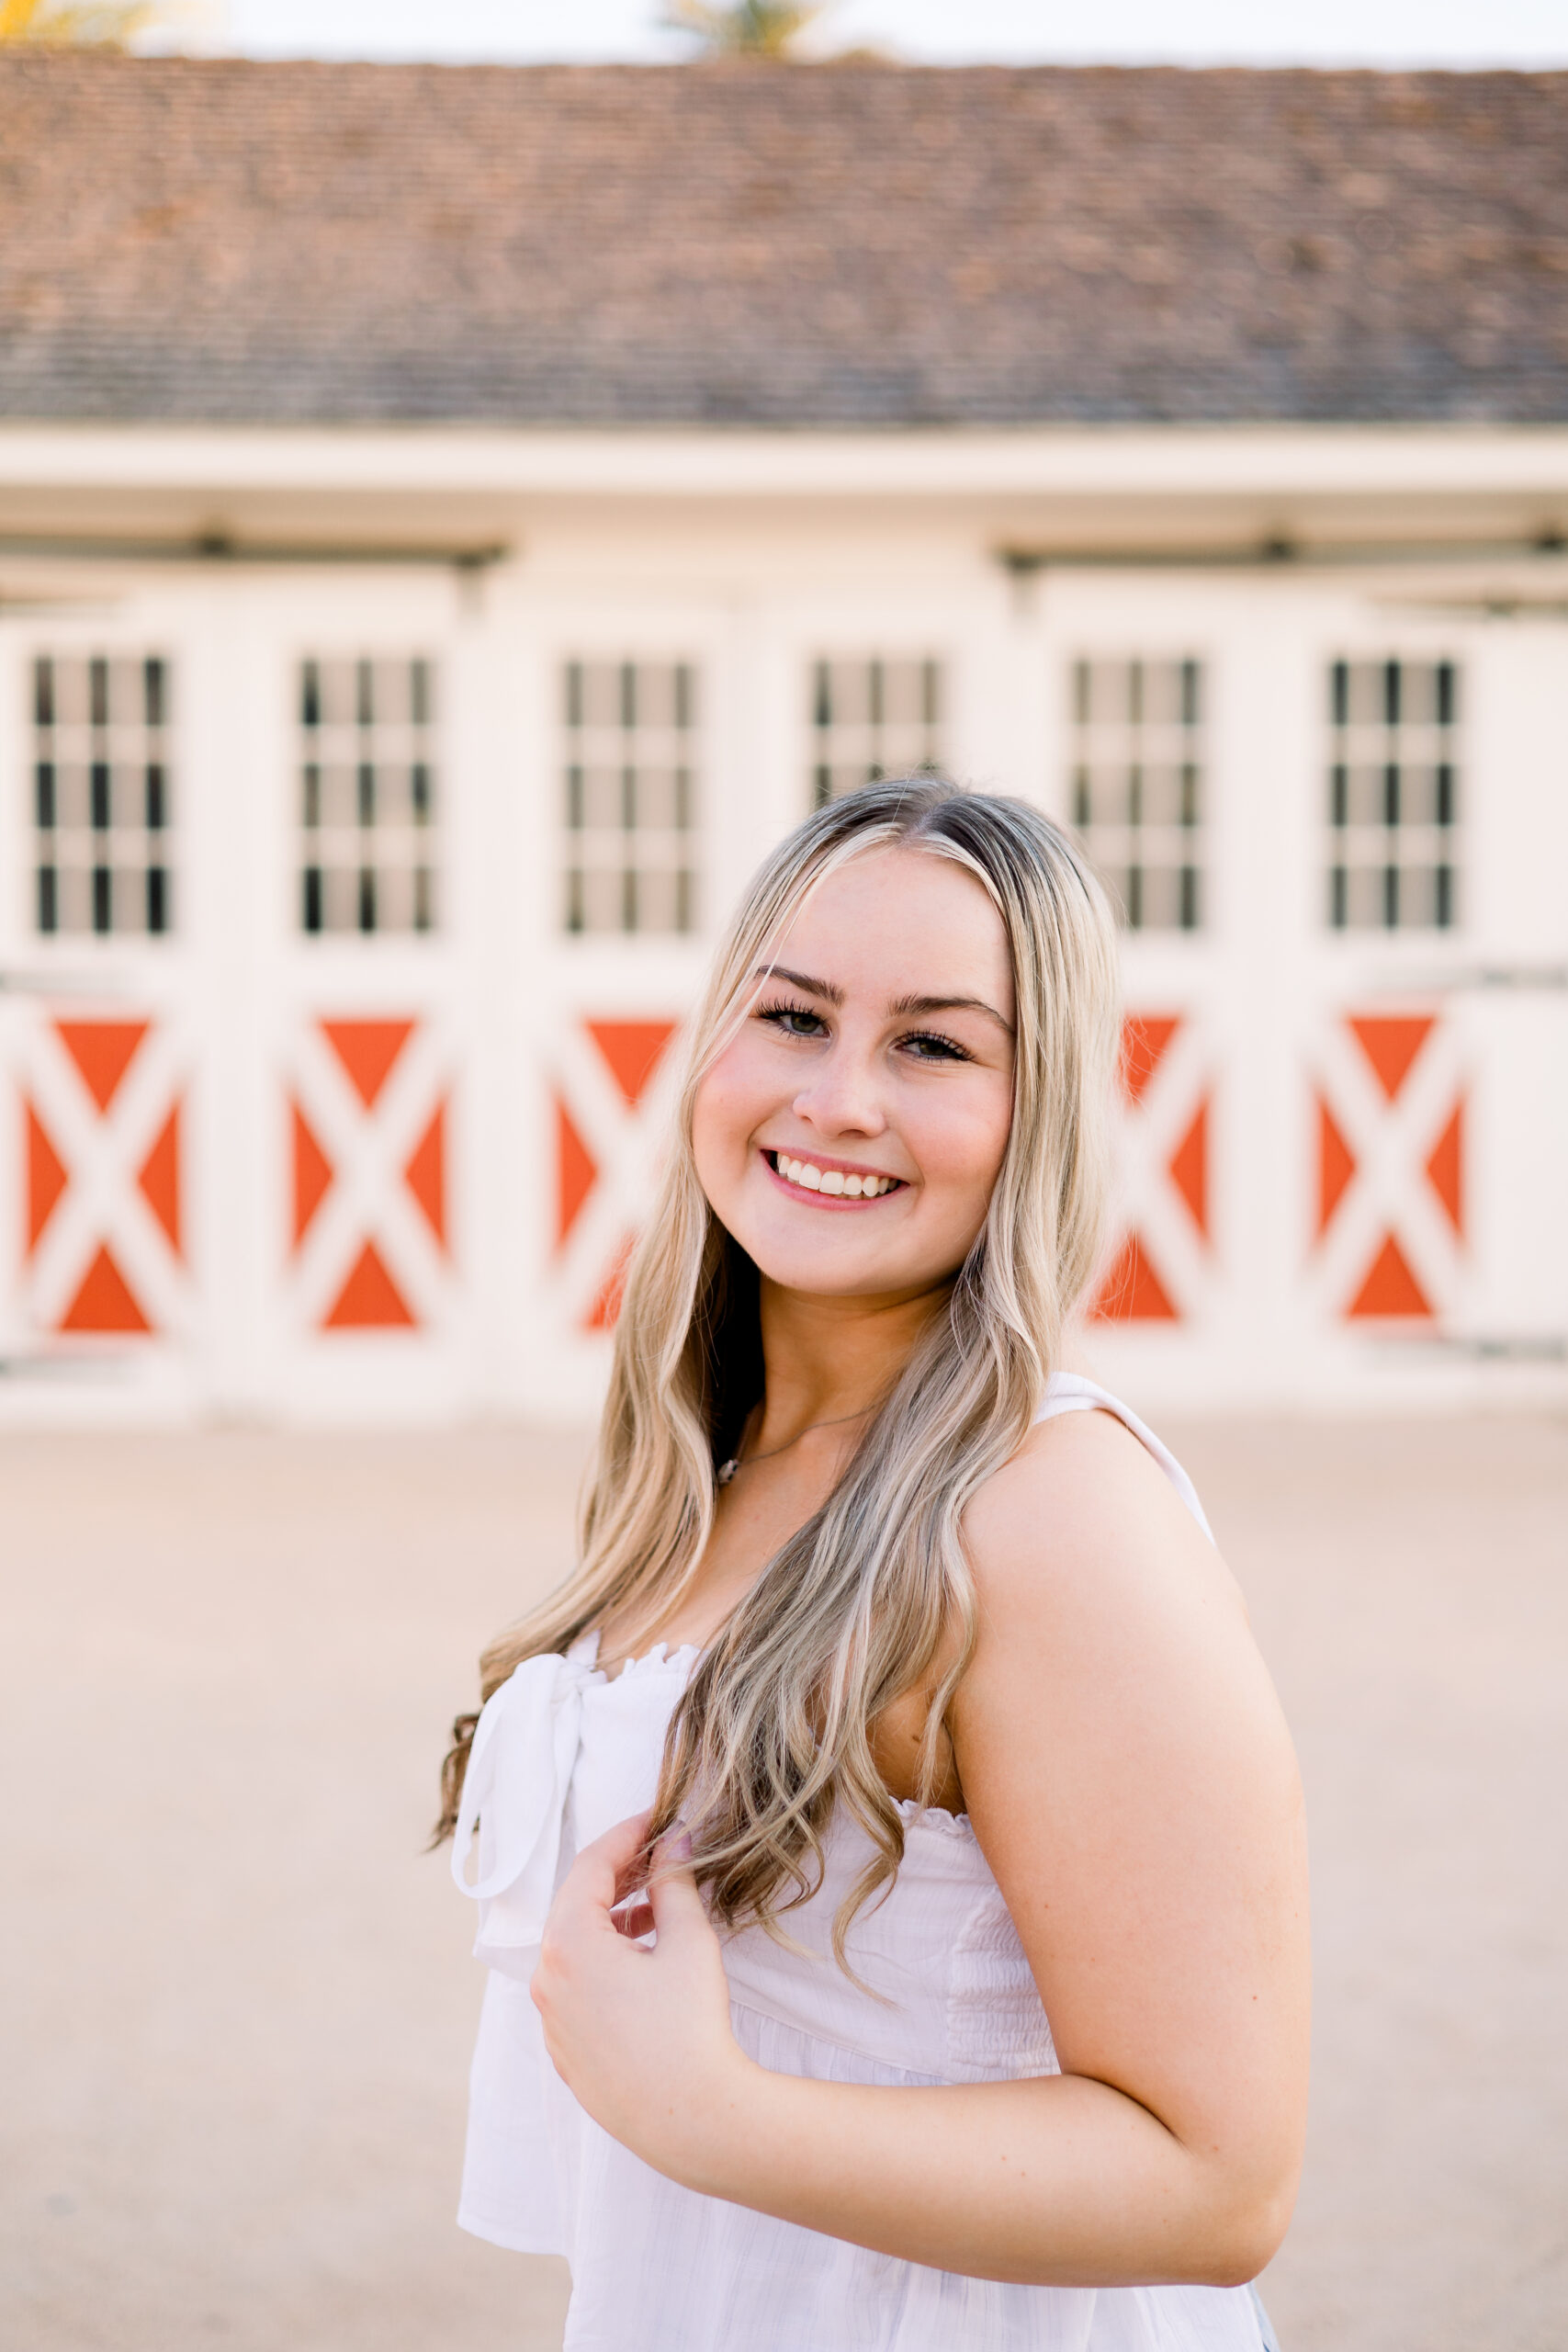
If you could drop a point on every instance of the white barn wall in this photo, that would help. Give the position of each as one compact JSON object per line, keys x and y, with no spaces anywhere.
{"x":751,"y":555}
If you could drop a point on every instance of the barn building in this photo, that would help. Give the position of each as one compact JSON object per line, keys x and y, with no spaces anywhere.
{"x":451,"y":522}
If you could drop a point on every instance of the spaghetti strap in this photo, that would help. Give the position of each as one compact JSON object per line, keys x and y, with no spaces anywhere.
{"x":1070,"y":1392}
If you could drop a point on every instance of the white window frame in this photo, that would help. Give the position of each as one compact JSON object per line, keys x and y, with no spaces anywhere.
{"x":372,"y":746}
{"x":1386,"y":749}
{"x":876,"y":741}
{"x":616,"y":759}
{"x":116,"y":752}
{"x":1130,"y":849}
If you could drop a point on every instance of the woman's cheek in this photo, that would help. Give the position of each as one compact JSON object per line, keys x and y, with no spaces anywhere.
{"x":727,"y":1110}
{"x":960,"y":1156}
{"x":708,"y":1131}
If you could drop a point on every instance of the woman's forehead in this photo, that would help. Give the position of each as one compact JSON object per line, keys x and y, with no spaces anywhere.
{"x":901,"y":922}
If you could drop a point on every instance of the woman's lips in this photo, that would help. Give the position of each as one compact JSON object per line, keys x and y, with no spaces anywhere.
{"x":830,"y":1183}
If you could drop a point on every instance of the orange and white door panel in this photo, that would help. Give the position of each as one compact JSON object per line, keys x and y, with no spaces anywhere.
{"x":364,"y":1272}
{"x":368,"y":1104}
{"x":611,"y":1081}
{"x":1433,"y":1066}
{"x":106,"y":1284}
{"x":1163,"y":1261}
{"x":103,"y":1106}
{"x":363,"y":1268}
{"x":1389,"y":1210}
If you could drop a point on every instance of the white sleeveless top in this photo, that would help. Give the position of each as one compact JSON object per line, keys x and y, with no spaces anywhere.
{"x":560,"y":1755}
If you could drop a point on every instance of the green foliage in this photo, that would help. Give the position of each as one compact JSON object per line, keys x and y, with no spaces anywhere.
{"x":745,"y":27}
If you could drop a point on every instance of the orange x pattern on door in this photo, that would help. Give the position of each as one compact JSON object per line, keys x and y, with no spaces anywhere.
{"x":1389,"y":1107}
{"x":102,"y":1104}
{"x":608,"y":1100}
{"x":1162,"y":1143}
{"x":368,"y":1127}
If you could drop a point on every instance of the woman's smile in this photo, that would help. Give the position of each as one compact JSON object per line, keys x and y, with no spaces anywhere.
{"x":820,"y":1183}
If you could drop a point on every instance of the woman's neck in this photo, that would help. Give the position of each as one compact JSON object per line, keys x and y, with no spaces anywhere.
{"x":829,"y":1359}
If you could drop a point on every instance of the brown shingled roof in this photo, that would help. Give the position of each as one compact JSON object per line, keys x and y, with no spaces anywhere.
{"x":849,"y":246}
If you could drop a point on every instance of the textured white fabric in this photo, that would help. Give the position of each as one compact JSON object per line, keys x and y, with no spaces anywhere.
{"x":563,"y":1753}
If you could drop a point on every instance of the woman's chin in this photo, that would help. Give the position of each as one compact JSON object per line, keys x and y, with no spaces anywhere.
{"x":812,"y":1278}
{"x":835,"y":1271}
{"x":829,"y":1271}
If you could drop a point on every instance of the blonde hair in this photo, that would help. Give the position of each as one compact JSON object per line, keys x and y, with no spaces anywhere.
{"x":773,"y":1730}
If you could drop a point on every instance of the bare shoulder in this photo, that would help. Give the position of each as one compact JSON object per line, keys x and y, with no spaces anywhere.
{"x":1084,"y":1518}
{"x":1112,"y":1651}
{"x":1129,"y":1780}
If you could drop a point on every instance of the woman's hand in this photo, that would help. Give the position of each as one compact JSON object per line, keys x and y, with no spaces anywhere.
{"x":642,"y":2038}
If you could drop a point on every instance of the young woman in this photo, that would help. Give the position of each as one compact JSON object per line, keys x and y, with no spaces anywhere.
{"x":974,"y":2008}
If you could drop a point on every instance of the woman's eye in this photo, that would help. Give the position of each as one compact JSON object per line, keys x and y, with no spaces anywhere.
{"x":926,"y":1046}
{"x":794,"y":1020}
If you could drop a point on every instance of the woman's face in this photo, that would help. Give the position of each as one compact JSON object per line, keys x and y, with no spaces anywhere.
{"x":850,"y":1135}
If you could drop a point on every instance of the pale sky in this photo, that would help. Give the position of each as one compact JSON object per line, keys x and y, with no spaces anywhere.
{"x":1191,"y":32}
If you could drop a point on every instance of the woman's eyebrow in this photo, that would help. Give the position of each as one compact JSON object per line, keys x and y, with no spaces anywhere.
{"x":903,"y":1007}
{"x":824,"y":988}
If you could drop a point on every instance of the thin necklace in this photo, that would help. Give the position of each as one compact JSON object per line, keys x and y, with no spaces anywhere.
{"x":727,"y":1470}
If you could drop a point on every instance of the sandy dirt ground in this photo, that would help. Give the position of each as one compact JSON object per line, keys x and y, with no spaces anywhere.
{"x":236,"y":2000}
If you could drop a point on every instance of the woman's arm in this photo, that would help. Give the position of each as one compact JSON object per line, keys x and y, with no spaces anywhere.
{"x":1130,"y":1780}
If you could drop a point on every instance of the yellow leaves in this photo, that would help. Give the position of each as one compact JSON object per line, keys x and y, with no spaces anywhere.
{"x":77,"y":24}
{"x":744,"y":29}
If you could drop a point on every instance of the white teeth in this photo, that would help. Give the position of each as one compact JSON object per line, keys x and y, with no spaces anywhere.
{"x":833,"y":1181}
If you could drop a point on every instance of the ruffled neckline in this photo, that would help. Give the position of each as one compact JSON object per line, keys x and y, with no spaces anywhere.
{"x":660,"y":1659}
{"x":916,"y":1816}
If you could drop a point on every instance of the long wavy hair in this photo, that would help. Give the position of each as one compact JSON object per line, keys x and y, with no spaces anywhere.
{"x":773,"y":1731}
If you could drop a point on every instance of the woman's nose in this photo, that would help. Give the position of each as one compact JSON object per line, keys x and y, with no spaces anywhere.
{"x":844,"y":1096}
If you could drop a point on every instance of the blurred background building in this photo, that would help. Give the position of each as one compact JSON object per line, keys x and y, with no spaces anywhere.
{"x":453,"y":521}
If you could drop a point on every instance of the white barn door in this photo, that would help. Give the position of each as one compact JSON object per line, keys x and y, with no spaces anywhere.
{"x":237,"y":939}
{"x":1140,"y":722}
{"x":369,"y":1039}
{"x":1436,"y":1055}
{"x":105,"y":1039}
{"x":1334,"y":820}
{"x":629,"y":756}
